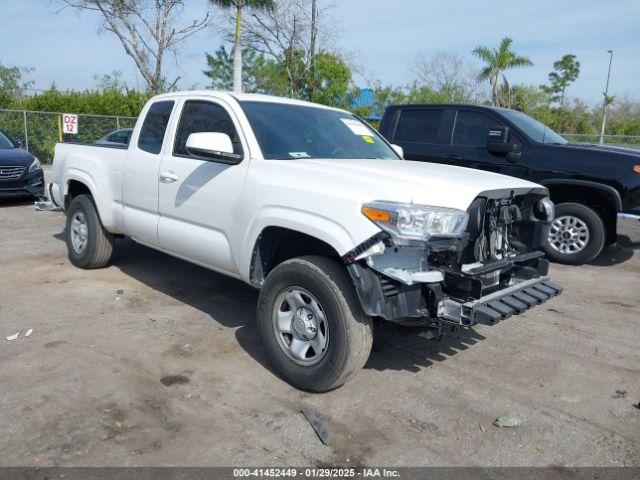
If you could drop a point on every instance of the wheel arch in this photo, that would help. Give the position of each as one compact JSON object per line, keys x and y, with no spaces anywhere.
{"x":604,"y":199}
{"x":276,"y":244}
{"x":78,"y":182}
{"x":73,"y":188}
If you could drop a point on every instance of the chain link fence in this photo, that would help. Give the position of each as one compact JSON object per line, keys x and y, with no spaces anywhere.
{"x":38,"y":132}
{"x":626,"y":141}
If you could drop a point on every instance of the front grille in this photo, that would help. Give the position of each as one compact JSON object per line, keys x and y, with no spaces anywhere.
{"x":11,"y":173}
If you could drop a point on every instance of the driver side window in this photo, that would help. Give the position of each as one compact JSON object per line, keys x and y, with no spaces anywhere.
{"x":472,"y":128}
{"x":203,"y":116}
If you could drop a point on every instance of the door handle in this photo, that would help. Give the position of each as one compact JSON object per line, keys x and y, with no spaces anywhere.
{"x":453,"y":157}
{"x":168,"y":177}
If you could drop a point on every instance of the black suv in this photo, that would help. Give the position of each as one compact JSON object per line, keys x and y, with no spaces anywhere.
{"x":591,"y":185}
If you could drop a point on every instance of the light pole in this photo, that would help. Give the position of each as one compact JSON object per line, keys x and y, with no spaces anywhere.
{"x":606,"y":99}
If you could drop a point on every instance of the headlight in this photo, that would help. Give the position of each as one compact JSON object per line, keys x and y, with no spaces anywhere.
{"x":547,"y":209}
{"x":35,"y":165}
{"x":416,"y":222}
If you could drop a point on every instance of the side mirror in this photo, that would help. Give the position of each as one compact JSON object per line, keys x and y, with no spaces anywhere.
{"x":212,"y":146}
{"x":398,"y":149}
{"x":499,"y":143}
{"x":18,"y":143}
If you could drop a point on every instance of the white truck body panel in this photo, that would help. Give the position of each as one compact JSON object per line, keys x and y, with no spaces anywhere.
{"x":213,"y":213}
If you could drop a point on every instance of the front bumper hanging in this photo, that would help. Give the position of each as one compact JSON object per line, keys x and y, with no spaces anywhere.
{"x":499,"y":305}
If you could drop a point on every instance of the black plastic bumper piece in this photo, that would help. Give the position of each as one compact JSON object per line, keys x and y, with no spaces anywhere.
{"x":500,"y":305}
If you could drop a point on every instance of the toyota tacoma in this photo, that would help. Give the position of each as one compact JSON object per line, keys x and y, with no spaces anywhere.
{"x":313,"y":207}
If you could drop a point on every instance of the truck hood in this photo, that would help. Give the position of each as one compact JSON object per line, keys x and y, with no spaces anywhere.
{"x":405,"y":181}
{"x":607,"y":151}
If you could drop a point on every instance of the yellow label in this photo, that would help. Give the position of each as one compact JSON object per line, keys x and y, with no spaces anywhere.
{"x":368,"y":139}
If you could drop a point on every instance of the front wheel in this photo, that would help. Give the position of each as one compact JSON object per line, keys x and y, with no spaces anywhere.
{"x":312,"y":325}
{"x":576,"y":236}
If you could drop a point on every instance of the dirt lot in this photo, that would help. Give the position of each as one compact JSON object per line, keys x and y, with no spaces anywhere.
{"x":93,"y":384}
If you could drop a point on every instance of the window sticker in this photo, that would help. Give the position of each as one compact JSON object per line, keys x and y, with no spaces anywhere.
{"x":299,"y":155}
{"x":368,"y":139}
{"x":356,"y":127}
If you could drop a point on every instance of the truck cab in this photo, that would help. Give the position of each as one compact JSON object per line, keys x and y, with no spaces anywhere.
{"x":591,"y":185}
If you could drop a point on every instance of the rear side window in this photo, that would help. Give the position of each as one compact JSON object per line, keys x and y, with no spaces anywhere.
{"x":418,"y":125}
{"x":472,"y":128}
{"x":154,"y":127}
{"x":202,"y":116}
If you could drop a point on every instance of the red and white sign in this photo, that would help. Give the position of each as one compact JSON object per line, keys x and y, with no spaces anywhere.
{"x":69,"y":123}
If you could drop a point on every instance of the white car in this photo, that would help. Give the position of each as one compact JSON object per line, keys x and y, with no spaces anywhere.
{"x":313,"y":207}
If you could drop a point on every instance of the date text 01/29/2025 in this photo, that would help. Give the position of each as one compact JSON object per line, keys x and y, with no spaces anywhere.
{"x":316,"y":472}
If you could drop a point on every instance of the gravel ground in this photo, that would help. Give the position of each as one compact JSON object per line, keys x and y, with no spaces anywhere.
{"x":154,"y":361}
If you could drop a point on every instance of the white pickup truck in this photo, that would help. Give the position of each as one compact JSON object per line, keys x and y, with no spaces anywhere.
{"x":310,"y":205}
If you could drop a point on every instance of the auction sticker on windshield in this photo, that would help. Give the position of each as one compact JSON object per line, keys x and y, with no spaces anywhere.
{"x":299,"y":155}
{"x":356,"y":127}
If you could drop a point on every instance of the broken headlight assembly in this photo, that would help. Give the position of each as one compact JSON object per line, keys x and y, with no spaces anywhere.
{"x":408,"y":223}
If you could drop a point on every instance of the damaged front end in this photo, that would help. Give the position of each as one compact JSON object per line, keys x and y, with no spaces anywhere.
{"x":431,"y":266}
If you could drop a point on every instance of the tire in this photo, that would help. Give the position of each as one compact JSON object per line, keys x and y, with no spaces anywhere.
{"x":349,"y":331}
{"x":584,"y":220}
{"x":98,"y":244}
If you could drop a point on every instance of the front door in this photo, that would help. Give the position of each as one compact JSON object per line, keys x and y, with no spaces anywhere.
{"x":198,"y":196}
{"x":469,"y":145}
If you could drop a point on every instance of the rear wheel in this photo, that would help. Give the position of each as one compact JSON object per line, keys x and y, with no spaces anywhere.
{"x":88,"y":243}
{"x":312,"y":325}
{"x":576,"y":236}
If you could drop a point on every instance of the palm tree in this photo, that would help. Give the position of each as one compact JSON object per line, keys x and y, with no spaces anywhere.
{"x":239,"y":5}
{"x":497,"y":61}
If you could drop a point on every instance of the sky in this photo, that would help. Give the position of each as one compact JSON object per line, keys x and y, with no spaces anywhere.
{"x":383,"y":38}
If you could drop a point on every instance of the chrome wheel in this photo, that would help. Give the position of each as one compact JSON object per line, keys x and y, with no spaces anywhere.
{"x":568,"y":234}
{"x":300,"y":326}
{"x":79,"y":232}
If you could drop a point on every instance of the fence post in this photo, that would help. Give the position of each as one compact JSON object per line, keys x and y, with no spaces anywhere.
{"x":26,"y":130}
{"x":117,"y":123}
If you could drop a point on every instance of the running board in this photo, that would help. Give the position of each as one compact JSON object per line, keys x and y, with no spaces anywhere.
{"x":499,"y":305}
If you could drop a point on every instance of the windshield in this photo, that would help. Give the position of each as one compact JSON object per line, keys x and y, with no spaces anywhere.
{"x":289,"y":132}
{"x":538,"y":132}
{"x":5,"y":142}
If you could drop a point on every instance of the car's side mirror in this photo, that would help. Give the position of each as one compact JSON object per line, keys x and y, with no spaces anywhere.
{"x":398,"y":149}
{"x":499,"y":143}
{"x":214,"y":146}
{"x":17,"y":143}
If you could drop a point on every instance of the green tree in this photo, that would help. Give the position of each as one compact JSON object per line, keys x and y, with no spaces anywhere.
{"x":498,"y":60}
{"x":220,"y":69}
{"x":384,"y":96}
{"x":239,"y":6}
{"x":332,"y":84}
{"x":566,"y":71}
{"x":529,"y":99}
{"x":12,"y":87}
{"x":332,"y":80}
